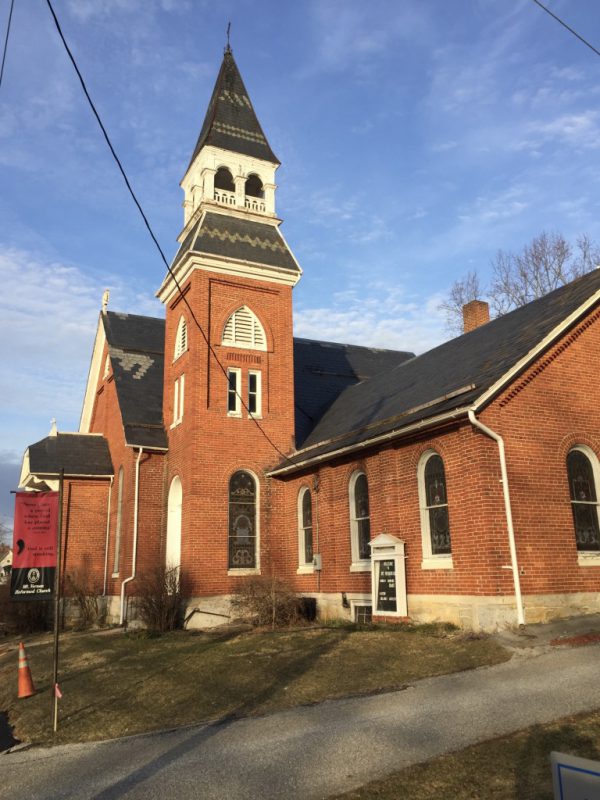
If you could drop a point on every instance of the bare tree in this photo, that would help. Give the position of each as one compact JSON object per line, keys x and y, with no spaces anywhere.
{"x":547,"y":262}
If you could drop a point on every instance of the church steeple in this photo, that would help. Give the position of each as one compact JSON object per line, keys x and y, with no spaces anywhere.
{"x":231,"y":122}
{"x":232,"y":164}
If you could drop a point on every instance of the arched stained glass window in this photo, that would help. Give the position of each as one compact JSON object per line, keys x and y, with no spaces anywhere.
{"x":242,"y":521}
{"x":305,"y":527}
{"x":243,"y":329}
{"x":584,"y":499}
{"x":434,"y":506}
{"x":360,"y":520}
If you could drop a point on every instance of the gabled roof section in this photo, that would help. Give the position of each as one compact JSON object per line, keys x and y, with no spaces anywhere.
{"x":240,"y":239}
{"x":450,"y":377}
{"x":136,"y":345}
{"x":231,"y":122}
{"x":79,"y":454}
{"x":322,"y":370}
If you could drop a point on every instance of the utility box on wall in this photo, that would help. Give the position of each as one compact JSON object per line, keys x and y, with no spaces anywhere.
{"x":388,"y":576}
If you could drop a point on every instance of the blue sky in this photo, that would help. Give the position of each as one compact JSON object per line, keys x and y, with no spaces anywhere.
{"x":416,"y":138}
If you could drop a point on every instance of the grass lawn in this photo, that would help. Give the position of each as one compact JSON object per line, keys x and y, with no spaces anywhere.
{"x":115,"y":684}
{"x":515,"y":767}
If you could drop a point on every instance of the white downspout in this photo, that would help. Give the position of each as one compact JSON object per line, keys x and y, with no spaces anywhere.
{"x":135,"y":535}
{"x":107,"y":537}
{"x":507,"y":506}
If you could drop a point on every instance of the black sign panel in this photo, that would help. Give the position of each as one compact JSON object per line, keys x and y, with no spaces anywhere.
{"x":32,"y":583}
{"x":386,"y":585}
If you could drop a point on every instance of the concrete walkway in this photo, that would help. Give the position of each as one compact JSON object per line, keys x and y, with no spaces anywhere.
{"x":316,"y":751}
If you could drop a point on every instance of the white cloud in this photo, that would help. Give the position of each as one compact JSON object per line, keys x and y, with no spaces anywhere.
{"x":375,"y":316}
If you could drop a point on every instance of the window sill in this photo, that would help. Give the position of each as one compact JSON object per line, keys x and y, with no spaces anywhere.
{"x":360,"y":566}
{"x":251,"y":571}
{"x":234,"y":414}
{"x":437,"y":562}
{"x":175,"y":424}
{"x":305,"y":569}
{"x":115,"y":575}
{"x":588,"y":559}
{"x":254,"y":416}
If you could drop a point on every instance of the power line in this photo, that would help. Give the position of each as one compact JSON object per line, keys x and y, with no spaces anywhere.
{"x":568,"y":27}
{"x":151,"y":232}
{"x":10,"y":13}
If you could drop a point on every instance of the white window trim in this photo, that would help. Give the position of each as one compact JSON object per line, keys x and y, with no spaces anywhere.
{"x":179,"y":349}
{"x":358,"y":564}
{"x":587,"y":558}
{"x":178,"y":400}
{"x":238,"y":387}
{"x":246,"y":570}
{"x":304,"y":567}
{"x":258,"y":413}
{"x":430,"y":561}
{"x":359,"y":600}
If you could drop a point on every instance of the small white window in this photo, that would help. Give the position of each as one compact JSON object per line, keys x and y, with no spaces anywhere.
{"x":234,"y":380}
{"x":360,"y":522}
{"x":106,"y":366}
{"x":435,"y":521}
{"x":117,"y":551}
{"x":254,"y":392}
{"x":582,"y":471}
{"x":243,"y":329}
{"x":180,"y":338}
{"x":178,"y":400}
{"x":305,"y":531}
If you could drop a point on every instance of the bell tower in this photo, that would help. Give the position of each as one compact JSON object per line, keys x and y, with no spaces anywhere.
{"x":228,"y":405}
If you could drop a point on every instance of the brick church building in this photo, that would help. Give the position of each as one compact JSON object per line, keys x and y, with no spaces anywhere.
{"x":460,"y":485}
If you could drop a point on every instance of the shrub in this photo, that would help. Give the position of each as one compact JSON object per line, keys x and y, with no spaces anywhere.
{"x":266,"y":601}
{"x":23,"y":616}
{"x":159,"y":600}
{"x":85,"y":595}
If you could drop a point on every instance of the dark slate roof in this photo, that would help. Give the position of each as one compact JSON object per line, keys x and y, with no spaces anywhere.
{"x":322,"y":370}
{"x":242,"y":239}
{"x":136,"y":345}
{"x":76,"y":453}
{"x":450,"y":376}
{"x":230,"y":121}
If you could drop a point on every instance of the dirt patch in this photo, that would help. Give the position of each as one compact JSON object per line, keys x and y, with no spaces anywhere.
{"x":577,"y":641}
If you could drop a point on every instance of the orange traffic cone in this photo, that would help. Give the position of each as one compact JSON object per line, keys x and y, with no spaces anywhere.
{"x":26,"y":687}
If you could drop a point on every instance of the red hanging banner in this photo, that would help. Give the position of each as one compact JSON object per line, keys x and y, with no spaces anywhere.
{"x":34,"y":546}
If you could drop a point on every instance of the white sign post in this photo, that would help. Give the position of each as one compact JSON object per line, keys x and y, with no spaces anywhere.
{"x":575,"y":778}
{"x":388,"y":576}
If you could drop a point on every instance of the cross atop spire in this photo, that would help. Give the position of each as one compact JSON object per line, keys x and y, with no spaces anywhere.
{"x":231,"y":122}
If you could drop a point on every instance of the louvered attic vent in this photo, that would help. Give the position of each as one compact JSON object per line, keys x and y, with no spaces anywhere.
{"x":243,"y":329}
{"x":181,"y":338}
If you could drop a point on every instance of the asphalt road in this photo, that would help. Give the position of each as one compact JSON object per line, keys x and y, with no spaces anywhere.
{"x":315,"y":751}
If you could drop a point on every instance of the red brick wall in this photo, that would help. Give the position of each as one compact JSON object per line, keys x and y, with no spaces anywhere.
{"x":209,"y":446}
{"x":84,"y":531}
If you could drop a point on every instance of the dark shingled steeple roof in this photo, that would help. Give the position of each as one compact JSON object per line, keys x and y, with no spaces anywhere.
{"x":231,"y":122}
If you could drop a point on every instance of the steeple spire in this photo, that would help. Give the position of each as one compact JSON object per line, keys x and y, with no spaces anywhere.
{"x":231,"y":122}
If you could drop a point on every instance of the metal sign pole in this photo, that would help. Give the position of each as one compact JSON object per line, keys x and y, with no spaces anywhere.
{"x":57,"y":602}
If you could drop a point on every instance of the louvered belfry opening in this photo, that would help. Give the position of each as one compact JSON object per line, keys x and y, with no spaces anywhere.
{"x":181,"y":338}
{"x":243,"y":329}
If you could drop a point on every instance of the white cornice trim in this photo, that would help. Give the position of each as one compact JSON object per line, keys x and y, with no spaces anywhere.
{"x":223,"y":266}
{"x":92,"y":380}
{"x":546,"y":342}
{"x":431,"y":422}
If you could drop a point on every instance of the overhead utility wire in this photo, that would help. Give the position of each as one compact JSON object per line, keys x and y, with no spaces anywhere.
{"x":10,"y":13}
{"x":154,"y":239}
{"x":564,"y":24}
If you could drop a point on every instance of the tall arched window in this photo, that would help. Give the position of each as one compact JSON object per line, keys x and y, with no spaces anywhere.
{"x":435,"y":522}
{"x":243,"y":329}
{"x":180,"y":338}
{"x":254,"y":187}
{"x":118,"y":525}
{"x":582,"y":469}
{"x":224,"y":180}
{"x":173,"y":545}
{"x":305,"y":528}
{"x":360,"y":520}
{"x":242,"y":521}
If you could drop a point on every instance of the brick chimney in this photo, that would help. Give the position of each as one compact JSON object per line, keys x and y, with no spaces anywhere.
{"x":475,"y":313}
